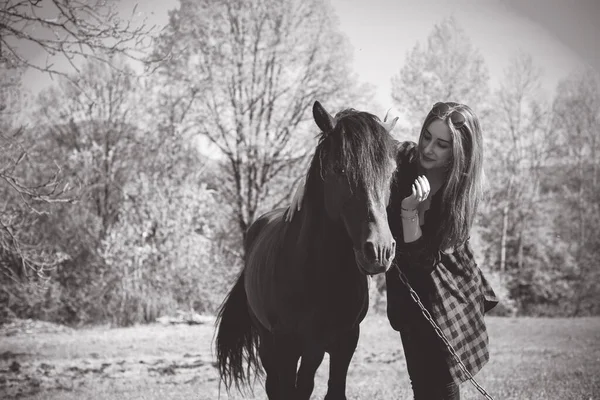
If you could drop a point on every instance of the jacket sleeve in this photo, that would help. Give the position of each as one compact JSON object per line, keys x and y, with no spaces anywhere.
{"x":417,"y":256}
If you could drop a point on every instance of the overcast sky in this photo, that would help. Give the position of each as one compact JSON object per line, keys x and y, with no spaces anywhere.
{"x":561,"y":35}
{"x":383,"y":31}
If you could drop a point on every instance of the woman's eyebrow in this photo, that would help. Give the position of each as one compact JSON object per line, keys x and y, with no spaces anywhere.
{"x":441,"y":140}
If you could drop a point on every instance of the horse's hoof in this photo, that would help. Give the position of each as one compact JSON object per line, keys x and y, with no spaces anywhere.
{"x":329,"y":397}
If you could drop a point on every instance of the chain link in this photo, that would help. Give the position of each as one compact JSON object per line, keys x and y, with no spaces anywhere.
{"x":441,"y":335}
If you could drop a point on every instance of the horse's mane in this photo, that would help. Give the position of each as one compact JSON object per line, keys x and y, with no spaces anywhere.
{"x":359,"y":146}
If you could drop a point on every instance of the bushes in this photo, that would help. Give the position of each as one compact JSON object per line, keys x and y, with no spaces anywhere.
{"x":161,"y":253}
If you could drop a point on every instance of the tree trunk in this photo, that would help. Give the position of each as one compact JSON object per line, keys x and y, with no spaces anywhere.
{"x":520,"y":250}
{"x":505,"y":210}
{"x":503,"y":238}
{"x":594,"y":164}
{"x":581,"y":231}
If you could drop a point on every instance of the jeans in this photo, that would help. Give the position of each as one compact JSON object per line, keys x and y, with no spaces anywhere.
{"x":427,"y":367}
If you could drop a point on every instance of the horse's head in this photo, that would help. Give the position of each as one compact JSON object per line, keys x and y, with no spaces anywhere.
{"x":355,"y":162}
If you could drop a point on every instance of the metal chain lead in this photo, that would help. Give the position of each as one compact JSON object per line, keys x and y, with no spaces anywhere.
{"x":441,"y":335}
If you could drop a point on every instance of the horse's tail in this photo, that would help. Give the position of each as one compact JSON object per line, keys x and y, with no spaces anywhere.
{"x":237,"y":339}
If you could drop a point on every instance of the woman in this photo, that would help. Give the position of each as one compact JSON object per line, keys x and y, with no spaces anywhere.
{"x":434,"y":202}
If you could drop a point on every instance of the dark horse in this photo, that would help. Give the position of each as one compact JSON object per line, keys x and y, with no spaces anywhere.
{"x":303,"y":290}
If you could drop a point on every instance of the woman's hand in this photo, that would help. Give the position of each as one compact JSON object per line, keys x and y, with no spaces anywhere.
{"x":420,"y":192}
{"x":296,"y":203}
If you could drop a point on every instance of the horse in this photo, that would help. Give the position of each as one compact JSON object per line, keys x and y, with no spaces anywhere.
{"x":303,"y":290}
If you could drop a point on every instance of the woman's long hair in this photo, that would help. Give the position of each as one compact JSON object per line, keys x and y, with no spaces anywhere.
{"x":462,"y":191}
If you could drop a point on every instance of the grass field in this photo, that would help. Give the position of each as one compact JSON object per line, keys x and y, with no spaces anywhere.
{"x":530,"y":359}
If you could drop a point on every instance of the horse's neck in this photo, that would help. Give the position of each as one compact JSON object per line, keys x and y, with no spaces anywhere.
{"x":319,"y":238}
{"x":315,"y":236}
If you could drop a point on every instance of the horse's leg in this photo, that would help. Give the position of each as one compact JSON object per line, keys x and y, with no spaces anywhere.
{"x":340,"y":355}
{"x":306,"y":374}
{"x":285,"y":355}
{"x":268,"y":358}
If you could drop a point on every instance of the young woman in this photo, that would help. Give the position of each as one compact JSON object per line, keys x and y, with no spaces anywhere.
{"x":434,"y":202}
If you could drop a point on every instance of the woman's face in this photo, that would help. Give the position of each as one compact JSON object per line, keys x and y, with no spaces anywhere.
{"x":435,"y":148}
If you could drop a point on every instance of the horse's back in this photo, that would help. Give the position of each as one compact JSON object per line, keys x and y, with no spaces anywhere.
{"x":270,"y":221}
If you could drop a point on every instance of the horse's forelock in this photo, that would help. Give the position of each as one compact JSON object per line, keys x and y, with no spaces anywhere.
{"x":359,"y":145}
{"x":364,"y":149}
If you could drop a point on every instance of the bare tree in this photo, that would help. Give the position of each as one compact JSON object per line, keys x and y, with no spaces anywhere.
{"x":525,"y":182}
{"x":92,"y":124}
{"x":253,"y":70}
{"x":446,"y":68}
{"x":70,"y":29}
{"x":80,"y":150}
{"x":22,"y":196}
{"x":521,"y":144}
{"x":63,"y":30}
{"x":577,"y":119}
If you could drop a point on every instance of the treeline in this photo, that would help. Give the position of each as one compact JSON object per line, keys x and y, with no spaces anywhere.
{"x":127,"y":196}
{"x":537,"y":232}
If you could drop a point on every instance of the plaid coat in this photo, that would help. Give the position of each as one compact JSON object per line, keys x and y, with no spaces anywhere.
{"x":449,"y":283}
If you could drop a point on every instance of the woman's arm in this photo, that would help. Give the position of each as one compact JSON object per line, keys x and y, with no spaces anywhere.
{"x":414,"y":253}
{"x":411,"y":227}
{"x":296,"y":203}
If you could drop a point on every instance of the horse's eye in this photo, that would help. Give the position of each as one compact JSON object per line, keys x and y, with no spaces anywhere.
{"x":339,"y":170}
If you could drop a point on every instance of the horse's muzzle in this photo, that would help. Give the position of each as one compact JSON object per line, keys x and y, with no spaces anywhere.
{"x":372,"y":262}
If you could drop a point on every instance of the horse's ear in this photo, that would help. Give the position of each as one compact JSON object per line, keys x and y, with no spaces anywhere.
{"x":323,"y":119}
{"x":389,"y":125}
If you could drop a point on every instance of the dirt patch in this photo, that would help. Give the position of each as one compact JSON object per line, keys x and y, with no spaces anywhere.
{"x":43,"y":360}
{"x":31,"y":326}
{"x":22,"y":378}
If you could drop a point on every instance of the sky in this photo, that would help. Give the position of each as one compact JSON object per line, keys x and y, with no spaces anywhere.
{"x":384,"y":31}
{"x":561,"y":35}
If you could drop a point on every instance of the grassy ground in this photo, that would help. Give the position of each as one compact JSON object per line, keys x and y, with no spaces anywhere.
{"x":530,"y":359}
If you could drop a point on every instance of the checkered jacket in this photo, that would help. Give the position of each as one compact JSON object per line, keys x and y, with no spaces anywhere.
{"x":449,"y":283}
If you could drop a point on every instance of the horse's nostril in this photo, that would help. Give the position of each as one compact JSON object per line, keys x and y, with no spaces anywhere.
{"x":393,"y":252}
{"x":370,"y":251}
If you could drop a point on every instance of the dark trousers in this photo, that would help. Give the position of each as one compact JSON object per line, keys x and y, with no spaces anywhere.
{"x":426,"y":364}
